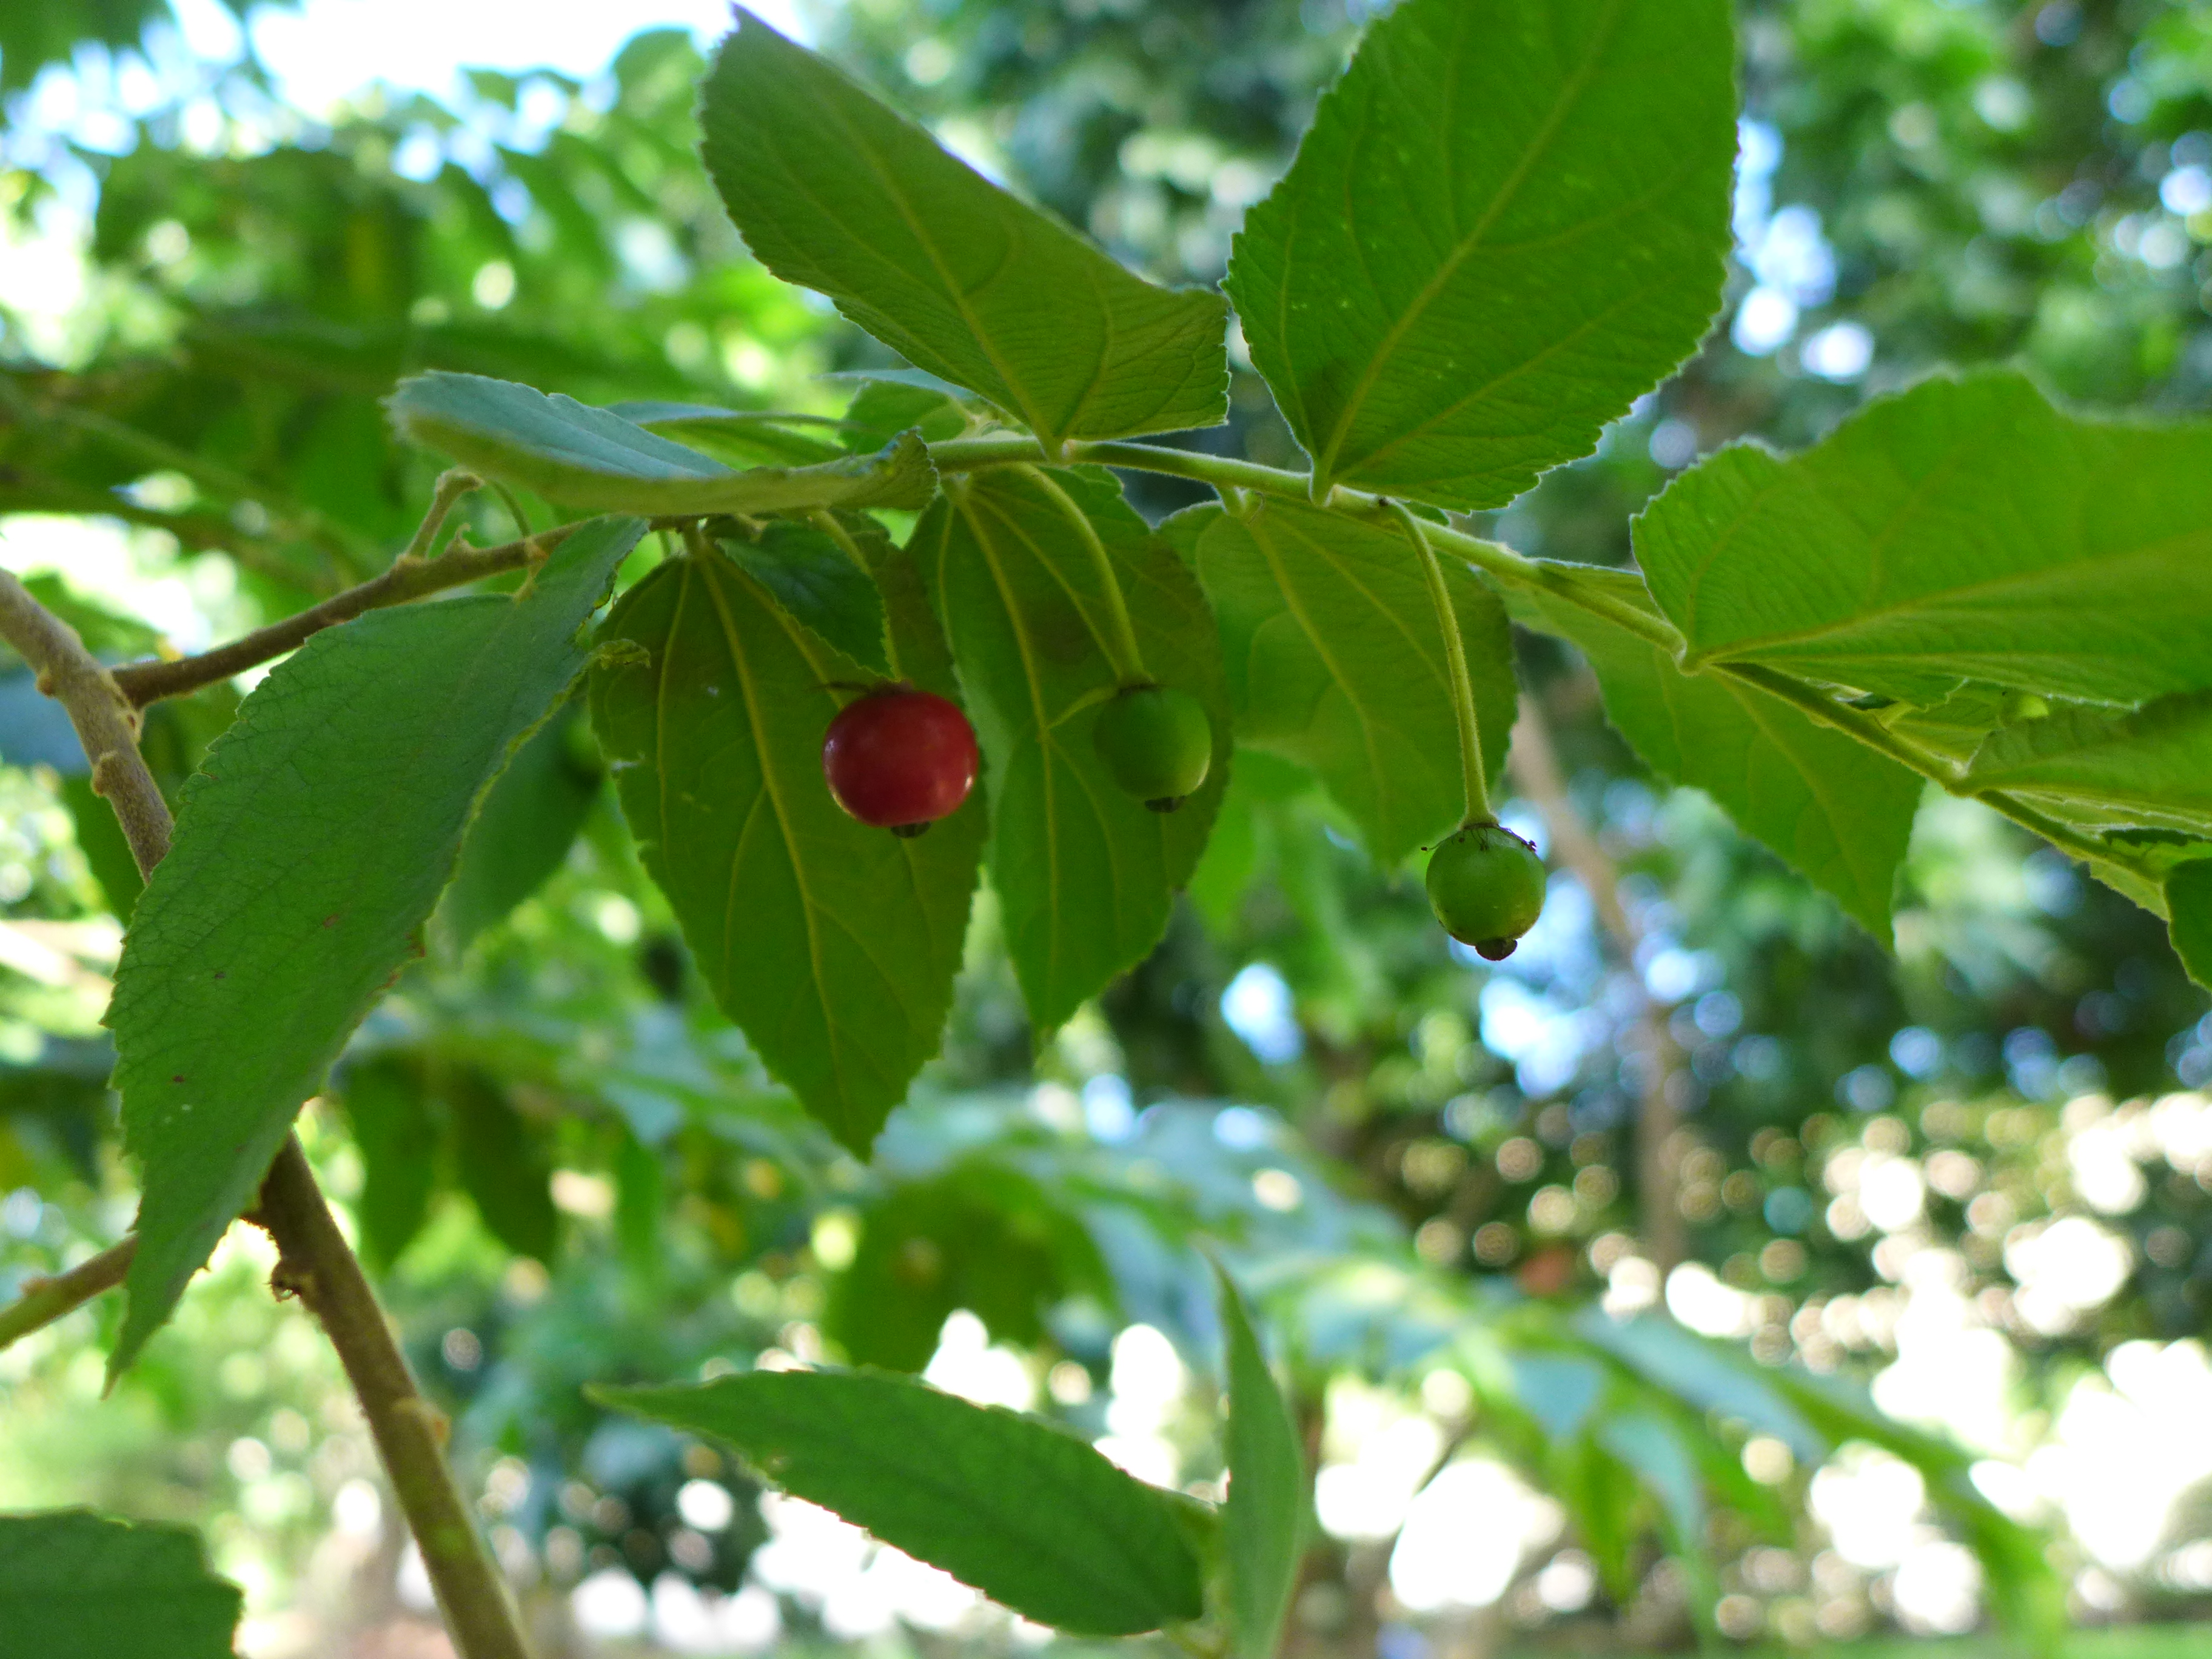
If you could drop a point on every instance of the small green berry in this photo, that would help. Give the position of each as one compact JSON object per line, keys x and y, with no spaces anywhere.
{"x":1487,"y":886}
{"x":1157,"y":742}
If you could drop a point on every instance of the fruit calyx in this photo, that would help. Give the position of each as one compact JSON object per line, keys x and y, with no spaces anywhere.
{"x":1156,"y":742}
{"x":1487,"y":887}
{"x":900,"y":758}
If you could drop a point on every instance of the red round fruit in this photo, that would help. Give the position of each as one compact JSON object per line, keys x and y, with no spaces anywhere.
{"x":900,"y":759}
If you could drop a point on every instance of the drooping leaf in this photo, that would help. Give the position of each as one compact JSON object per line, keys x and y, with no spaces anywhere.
{"x":1507,"y":223}
{"x":503,"y":1165}
{"x":833,"y":945}
{"x":2151,"y":768}
{"x":1335,"y":660}
{"x":1965,"y":530}
{"x":835,"y":190}
{"x":1085,"y":874}
{"x":77,"y":1585}
{"x":308,"y":853}
{"x":1024,"y":1512}
{"x":1835,"y":810}
{"x":387,"y":1104}
{"x":2189,"y":916}
{"x":820,"y":583}
{"x":523,"y":830}
{"x":1263,"y":1523}
{"x":592,"y":459}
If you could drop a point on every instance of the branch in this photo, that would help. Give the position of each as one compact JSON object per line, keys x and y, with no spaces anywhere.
{"x":45,"y":1300}
{"x":314,"y":1261}
{"x":107,"y":720}
{"x":315,"y":1264}
{"x":411,"y":577}
{"x":1535,"y":767}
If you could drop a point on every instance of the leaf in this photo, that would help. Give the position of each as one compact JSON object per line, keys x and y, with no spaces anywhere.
{"x":2189,"y":909}
{"x":1024,"y":1512}
{"x":1835,"y":810}
{"x":503,"y":1167}
{"x":77,"y":1585}
{"x":1507,"y":223}
{"x":309,"y":851}
{"x":1086,"y":875}
{"x":835,"y":191}
{"x":578,"y":456}
{"x":744,"y":437}
{"x":1335,"y":660}
{"x":386,"y":1102}
{"x":1962,"y":531}
{"x":2148,"y":770}
{"x":881,"y":409}
{"x":818,"y":583}
{"x":1704,"y":1374}
{"x":522,"y":832}
{"x":1263,"y":1523}
{"x":833,"y":945}
{"x":1653,"y":1449}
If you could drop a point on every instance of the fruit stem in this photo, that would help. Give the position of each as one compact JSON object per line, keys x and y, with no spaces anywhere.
{"x":1120,"y":641}
{"x":1462,"y":687}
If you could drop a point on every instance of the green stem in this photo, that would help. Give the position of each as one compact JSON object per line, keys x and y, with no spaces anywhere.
{"x":1122,"y":654}
{"x":1573,"y":584}
{"x":1462,"y":686}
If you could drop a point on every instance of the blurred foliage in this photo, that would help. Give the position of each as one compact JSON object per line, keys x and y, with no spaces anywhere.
{"x":568,"y":1170}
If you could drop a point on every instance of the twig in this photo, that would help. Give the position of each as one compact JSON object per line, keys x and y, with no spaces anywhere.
{"x":314,"y":1261}
{"x":410,"y":578}
{"x":45,"y":1300}
{"x":1536,"y":765}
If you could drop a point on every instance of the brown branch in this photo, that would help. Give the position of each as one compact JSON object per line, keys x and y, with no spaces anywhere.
{"x":45,"y":1300}
{"x":1536,"y":766}
{"x":314,"y":1261}
{"x":411,"y":577}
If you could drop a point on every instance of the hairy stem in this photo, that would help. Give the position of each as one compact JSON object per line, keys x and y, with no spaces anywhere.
{"x":1535,"y":762}
{"x":315,"y":1262}
{"x":1462,"y":687}
{"x":1123,"y":653}
{"x":45,"y":1300}
{"x":410,"y":578}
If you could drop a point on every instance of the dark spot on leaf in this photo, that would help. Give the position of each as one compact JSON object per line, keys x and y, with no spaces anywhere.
{"x":179,"y":1078}
{"x":329,"y":921}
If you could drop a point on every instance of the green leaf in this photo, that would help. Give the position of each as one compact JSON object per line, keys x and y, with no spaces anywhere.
{"x":1835,"y":810}
{"x":1086,"y":875}
{"x":1704,"y":1374}
{"x":1653,"y":1449}
{"x":2189,"y":911}
{"x":881,"y":409}
{"x":2148,"y":770}
{"x":309,"y":851}
{"x":503,"y":1166}
{"x":833,"y":945}
{"x":1335,"y":660}
{"x":387,"y":1104}
{"x":835,"y":191}
{"x":1962,"y":531}
{"x":523,"y":830}
{"x":820,"y":583}
{"x":1263,"y":1523}
{"x":1022,"y":1510}
{"x":77,"y":1585}
{"x":745,"y":437}
{"x":578,"y":456}
{"x":1507,"y":223}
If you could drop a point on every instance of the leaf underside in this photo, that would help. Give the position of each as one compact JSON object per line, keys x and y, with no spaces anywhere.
{"x":1028,"y":1514}
{"x":1507,"y":223}
{"x":835,"y":190}
{"x":831,"y":944}
{"x":1086,"y":875}
{"x":1263,"y":1522}
{"x":309,"y":850}
{"x":1335,"y":660}
{"x":1837,"y":811}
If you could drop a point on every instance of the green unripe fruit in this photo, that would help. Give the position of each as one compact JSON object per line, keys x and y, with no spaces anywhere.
{"x":1487,"y":886}
{"x":2017,"y":707}
{"x":1158,"y":743}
